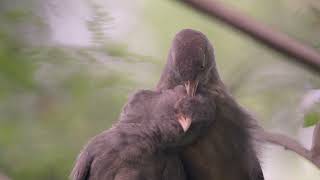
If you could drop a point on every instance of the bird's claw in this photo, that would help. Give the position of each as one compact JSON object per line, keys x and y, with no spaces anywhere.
{"x":185,"y":122}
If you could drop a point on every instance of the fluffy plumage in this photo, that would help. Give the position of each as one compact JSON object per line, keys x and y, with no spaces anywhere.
{"x":144,"y":144}
{"x":226,"y":150}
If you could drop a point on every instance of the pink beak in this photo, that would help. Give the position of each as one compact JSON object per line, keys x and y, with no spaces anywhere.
{"x":191,"y":87}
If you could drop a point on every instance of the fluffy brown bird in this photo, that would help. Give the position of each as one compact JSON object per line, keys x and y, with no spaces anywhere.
{"x":226,"y":150}
{"x":144,"y":144}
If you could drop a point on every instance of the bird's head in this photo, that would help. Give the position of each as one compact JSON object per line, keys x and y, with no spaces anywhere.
{"x":192,"y":60}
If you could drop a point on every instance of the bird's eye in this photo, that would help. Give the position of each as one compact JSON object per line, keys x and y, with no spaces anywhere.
{"x":203,"y":65}
{"x":203,"y":62}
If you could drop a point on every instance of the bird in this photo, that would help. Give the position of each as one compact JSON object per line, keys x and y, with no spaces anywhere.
{"x":226,"y":151}
{"x":144,"y":144}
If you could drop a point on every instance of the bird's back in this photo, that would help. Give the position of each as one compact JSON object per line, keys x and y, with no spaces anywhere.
{"x":131,"y":149}
{"x":118,"y":153}
{"x":99,"y":159}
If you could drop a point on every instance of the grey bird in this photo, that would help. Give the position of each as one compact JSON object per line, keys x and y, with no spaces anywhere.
{"x":226,"y":150}
{"x":144,"y":144}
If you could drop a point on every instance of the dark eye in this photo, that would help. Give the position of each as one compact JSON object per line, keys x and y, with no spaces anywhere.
{"x":203,"y":62}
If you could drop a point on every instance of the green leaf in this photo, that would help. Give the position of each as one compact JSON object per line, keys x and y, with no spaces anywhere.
{"x":17,"y":15}
{"x":311,"y":119}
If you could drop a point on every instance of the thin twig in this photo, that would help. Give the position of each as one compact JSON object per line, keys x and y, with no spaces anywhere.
{"x":315,"y":149}
{"x":287,"y":143}
{"x":278,"y":41}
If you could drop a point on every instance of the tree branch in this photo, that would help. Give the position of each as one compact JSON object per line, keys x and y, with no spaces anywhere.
{"x":280,"y":42}
{"x":315,"y":149}
{"x":288,"y":143}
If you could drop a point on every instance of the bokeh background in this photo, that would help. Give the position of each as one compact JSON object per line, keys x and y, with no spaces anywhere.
{"x":68,"y":66}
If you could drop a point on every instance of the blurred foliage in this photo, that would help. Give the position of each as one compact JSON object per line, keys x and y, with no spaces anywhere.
{"x":15,"y":69}
{"x":49,"y":97}
{"x":55,"y":96}
{"x":99,"y":23}
{"x":311,"y":119}
{"x":310,"y":107}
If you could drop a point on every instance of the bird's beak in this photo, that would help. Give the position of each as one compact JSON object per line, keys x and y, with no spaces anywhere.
{"x":191,"y":87}
{"x":185,"y":122}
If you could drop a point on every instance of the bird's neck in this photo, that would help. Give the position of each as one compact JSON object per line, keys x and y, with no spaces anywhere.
{"x":167,"y":79}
